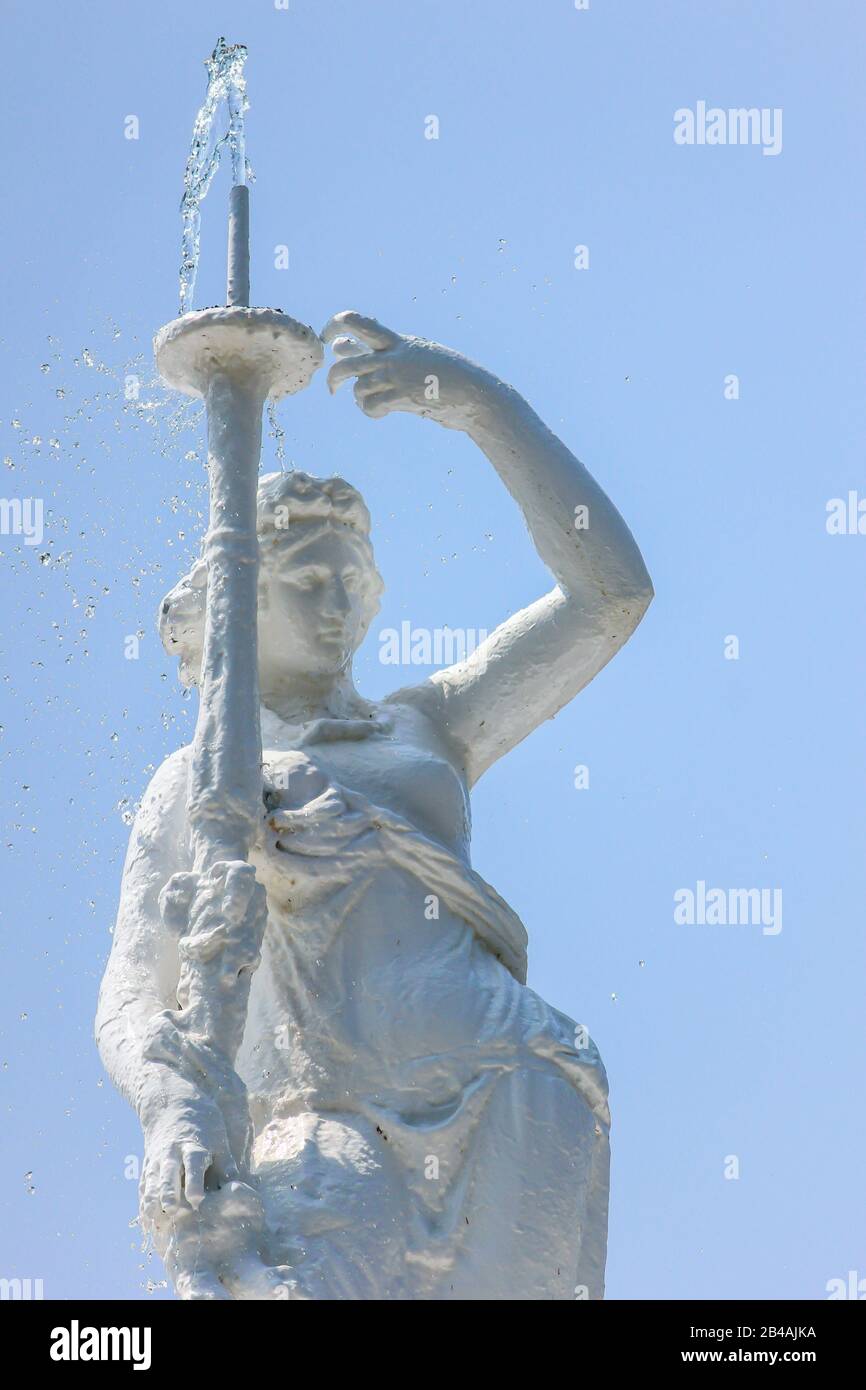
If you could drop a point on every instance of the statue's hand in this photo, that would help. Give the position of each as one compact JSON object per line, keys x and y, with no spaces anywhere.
{"x":206,"y":1221}
{"x":186,"y":1146}
{"x":220,"y":917}
{"x":397,"y":372}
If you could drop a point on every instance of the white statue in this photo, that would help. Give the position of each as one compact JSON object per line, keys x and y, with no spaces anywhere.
{"x":402,"y":1118}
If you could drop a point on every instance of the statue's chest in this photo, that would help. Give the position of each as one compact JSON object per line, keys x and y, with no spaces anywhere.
{"x":412,"y":781}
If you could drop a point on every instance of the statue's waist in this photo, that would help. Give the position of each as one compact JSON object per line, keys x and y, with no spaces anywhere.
{"x":429,"y":1088}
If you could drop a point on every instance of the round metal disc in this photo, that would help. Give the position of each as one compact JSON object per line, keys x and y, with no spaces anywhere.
{"x":281,"y":352}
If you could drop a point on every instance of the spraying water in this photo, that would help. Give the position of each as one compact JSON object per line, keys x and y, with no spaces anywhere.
{"x":225,"y":84}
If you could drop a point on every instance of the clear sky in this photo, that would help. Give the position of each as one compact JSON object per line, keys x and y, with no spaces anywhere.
{"x":555,"y":131}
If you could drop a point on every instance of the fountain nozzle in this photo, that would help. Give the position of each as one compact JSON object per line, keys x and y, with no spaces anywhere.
{"x":238,"y":273}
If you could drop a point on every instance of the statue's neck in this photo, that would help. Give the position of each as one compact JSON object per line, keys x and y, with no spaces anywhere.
{"x":300,"y":702}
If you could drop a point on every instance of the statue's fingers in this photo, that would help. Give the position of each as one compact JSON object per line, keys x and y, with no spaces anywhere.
{"x":201,"y":1286}
{"x":235,"y":871}
{"x":148,"y":1196}
{"x":170,"y":1193}
{"x":175,"y":900}
{"x":348,"y":347}
{"x":370,"y":331}
{"x":209,"y":894}
{"x":195,"y":1165}
{"x":238,"y":886}
{"x":224,"y":1168}
{"x":377,"y":403}
{"x":377,"y":380}
{"x":284,"y":1285}
{"x":240,"y":889}
{"x":349,"y":367}
{"x":249,"y":1278}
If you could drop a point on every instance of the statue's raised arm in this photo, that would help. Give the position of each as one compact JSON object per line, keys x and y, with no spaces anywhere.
{"x":538,"y":659}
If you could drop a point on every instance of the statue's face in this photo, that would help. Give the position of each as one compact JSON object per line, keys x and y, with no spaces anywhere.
{"x":312,"y":604}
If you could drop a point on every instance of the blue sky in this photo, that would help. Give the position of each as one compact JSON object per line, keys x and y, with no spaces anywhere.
{"x":555,"y":130}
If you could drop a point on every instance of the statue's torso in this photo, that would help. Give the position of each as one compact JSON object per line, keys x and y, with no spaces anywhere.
{"x":395,"y":759}
{"x":383,"y":948}
{"x":388,"y":1030}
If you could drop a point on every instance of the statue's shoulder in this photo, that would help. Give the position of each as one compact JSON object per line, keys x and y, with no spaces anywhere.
{"x":159,"y":833}
{"x":167,"y":789}
{"x":413,"y":700}
{"x":176,"y":765}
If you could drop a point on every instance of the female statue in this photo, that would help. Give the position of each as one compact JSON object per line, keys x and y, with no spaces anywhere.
{"x":422,"y":1124}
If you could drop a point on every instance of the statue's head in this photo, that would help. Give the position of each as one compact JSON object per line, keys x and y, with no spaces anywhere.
{"x":319,"y":588}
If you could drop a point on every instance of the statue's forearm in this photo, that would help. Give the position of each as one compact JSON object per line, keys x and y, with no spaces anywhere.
{"x":121,"y":1025}
{"x":141,"y":977}
{"x":577,"y":530}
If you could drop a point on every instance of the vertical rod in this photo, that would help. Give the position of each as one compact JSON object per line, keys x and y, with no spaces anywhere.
{"x":238,"y":278}
{"x":225,"y":781}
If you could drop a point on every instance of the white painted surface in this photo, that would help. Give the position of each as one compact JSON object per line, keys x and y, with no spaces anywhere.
{"x":424,"y":1126}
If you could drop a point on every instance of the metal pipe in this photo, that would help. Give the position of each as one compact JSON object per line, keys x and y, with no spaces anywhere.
{"x":238,"y":277}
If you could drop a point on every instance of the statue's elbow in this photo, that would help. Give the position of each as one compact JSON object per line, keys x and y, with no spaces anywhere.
{"x":643,"y":598}
{"x":632,"y":606}
{"x":101,"y":1021}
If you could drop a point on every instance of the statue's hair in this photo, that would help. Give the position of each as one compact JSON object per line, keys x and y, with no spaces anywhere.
{"x":284,"y":498}
{"x":291,"y":509}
